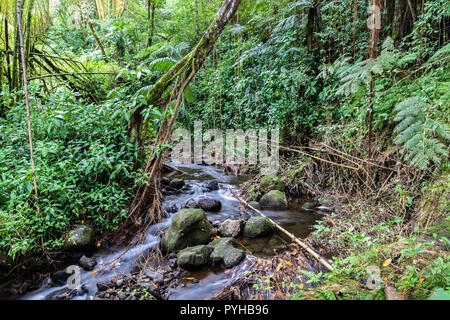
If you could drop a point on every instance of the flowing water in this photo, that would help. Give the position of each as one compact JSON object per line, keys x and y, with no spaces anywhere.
{"x":117,"y":261}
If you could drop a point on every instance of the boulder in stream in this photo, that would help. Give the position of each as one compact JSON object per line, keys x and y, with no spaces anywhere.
{"x":210,"y":204}
{"x":269,"y":183}
{"x":87,"y":263}
{"x":308,"y":206}
{"x":210,"y":185}
{"x":230,"y":228}
{"x":255,"y":204}
{"x":224,"y":250}
{"x":176,"y":184}
{"x":274,"y":199}
{"x":80,"y":238}
{"x":257,"y":227}
{"x":189,"y":227}
{"x":194,"y":256}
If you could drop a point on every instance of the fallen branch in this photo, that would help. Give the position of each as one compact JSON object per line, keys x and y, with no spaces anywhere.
{"x":290,"y":235}
{"x":69,"y":74}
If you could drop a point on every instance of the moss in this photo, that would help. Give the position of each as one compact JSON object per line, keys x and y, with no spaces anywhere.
{"x":273,"y":199}
{"x":257,"y":227}
{"x":269,"y":183}
{"x":189,"y":227}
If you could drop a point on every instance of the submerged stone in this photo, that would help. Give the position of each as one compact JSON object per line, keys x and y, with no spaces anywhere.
{"x":273,"y":199}
{"x":257,"y":227}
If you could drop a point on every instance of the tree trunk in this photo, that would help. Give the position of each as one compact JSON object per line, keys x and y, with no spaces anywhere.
{"x":151,"y":17}
{"x":91,"y":26}
{"x":25,"y":86}
{"x":8,"y":62}
{"x":192,"y":62}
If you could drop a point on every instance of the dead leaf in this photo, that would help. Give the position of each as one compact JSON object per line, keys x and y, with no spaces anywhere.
{"x":387,"y":262}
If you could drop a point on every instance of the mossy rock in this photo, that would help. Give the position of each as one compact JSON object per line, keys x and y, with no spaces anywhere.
{"x":273,"y":199}
{"x":80,"y":238}
{"x":269,"y":183}
{"x":189,"y":227}
{"x":308,"y":206}
{"x":225,"y":251}
{"x":257,"y":227}
{"x":255,"y":204}
{"x":194,"y":256}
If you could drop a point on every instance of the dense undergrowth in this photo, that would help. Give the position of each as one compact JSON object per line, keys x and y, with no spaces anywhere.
{"x":84,"y":165}
{"x":278,"y":64}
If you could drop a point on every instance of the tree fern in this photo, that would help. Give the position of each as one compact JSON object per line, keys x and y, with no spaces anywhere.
{"x":420,"y":136}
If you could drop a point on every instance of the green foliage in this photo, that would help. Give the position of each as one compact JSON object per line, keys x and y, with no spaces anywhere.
{"x":419,"y":134}
{"x":84,"y":168}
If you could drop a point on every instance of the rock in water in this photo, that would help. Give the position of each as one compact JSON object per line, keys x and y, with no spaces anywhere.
{"x":257,"y":227}
{"x":194,"y":256}
{"x":60,"y":277}
{"x":165,"y":181}
{"x":87,"y":263}
{"x":79,"y":239}
{"x":308,"y":206}
{"x":273,"y":199}
{"x":189,"y":227}
{"x":176,"y":184}
{"x":230,"y":228}
{"x":225,"y":251}
{"x":255,"y":204}
{"x":210,"y":204}
{"x":269,"y":183}
{"x":211,"y":185}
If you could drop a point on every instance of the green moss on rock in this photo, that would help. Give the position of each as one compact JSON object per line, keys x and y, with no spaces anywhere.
{"x":189,"y":227}
{"x":273,"y":199}
{"x":257,"y":227}
{"x":269,"y":183}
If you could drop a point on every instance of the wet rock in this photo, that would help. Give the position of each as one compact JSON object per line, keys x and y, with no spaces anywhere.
{"x":171,"y":209}
{"x":151,"y":288}
{"x":210,"y":204}
{"x":155,"y":276}
{"x":60,"y":277}
{"x":308,"y":206}
{"x":87,"y":263}
{"x":105,"y":285}
{"x":273,"y":199}
{"x":79,"y":239}
{"x":224,"y":250}
{"x":269,"y":183}
{"x":165,"y":181}
{"x":191,"y":204}
{"x":210,"y":185}
{"x":194,"y":256}
{"x":173,"y":263}
{"x":230,"y":228}
{"x":257,"y":227}
{"x":255,"y":204}
{"x":189,"y":227}
{"x":176,"y":184}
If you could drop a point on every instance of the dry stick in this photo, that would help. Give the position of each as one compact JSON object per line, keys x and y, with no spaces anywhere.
{"x":25,"y":86}
{"x":290,"y":235}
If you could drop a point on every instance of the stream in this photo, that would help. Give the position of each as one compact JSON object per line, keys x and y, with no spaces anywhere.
{"x":114,"y":262}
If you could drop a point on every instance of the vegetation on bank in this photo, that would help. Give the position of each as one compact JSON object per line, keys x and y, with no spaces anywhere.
{"x":369,"y":128}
